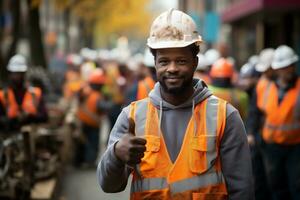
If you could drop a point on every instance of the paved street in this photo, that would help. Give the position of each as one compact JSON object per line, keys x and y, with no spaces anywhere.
{"x":82,"y":185}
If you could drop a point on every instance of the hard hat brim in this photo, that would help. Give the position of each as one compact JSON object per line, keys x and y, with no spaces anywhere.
{"x":19,"y":68}
{"x":284,"y":64}
{"x":261,"y":67}
{"x":171,"y":44}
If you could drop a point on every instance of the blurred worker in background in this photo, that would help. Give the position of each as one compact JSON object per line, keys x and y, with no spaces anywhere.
{"x":181,"y":142}
{"x":256,"y":119}
{"x":221,"y":74}
{"x":91,"y":109}
{"x":144,"y":82}
{"x":202,"y":70}
{"x":248,"y":77}
{"x":73,"y":81}
{"x":212,"y":55}
{"x":281,"y":131}
{"x":20,"y":104}
{"x":149,"y":62}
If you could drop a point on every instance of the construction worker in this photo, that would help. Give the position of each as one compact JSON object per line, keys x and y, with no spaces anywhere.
{"x":73,"y":81}
{"x":255,"y":122}
{"x":221,"y":74}
{"x":202,"y":70}
{"x":89,"y":113}
{"x":181,"y":142}
{"x":20,"y":104}
{"x":281,"y":131}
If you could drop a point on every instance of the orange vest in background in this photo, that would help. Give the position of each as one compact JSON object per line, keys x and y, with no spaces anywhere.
{"x":29,"y":105}
{"x":144,"y":87}
{"x":282,"y":125}
{"x":196,"y":173}
{"x":262,"y":92}
{"x":87,"y":111}
{"x":72,"y":84}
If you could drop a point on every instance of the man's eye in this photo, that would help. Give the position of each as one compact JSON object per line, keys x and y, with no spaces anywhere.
{"x":163,"y":62}
{"x":181,"y":62}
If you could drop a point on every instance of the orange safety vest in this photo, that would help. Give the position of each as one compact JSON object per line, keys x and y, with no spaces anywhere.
{"x":282,"y":125}
{"x":196,"y":173}
{"x":262,"y":92}
{"x":144,"y":87}
{"x":87,"y":111}
{"x":29,"y":105}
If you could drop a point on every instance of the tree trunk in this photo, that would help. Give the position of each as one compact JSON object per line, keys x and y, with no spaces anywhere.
{"x":35,"y":37}
{"x":4,"y":58}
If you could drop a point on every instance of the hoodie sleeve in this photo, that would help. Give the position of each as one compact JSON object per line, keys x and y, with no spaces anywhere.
{"x":235,"y":158}
{"x":111,"y":172}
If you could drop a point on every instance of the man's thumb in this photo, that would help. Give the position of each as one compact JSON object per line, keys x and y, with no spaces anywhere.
{"x":131,"y":126}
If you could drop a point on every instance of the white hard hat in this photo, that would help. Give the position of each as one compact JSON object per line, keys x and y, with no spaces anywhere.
{"x":17,"y":63}
{"x":88,"y":54}
{"x":203,"y":63}
{"x":253,"y":60}
{"x":284,"y":56}
{"x":264,"y":60}
{"x":212,"y":55}
{"x":173,"y":29}
{"x":148,"y":59}
{"x":246,"y":70}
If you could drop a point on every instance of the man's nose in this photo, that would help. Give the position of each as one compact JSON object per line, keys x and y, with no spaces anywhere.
{"x":172,"y":67}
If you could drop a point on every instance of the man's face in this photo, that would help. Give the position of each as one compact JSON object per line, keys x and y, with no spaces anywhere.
{"x":288,"y":74}
{"x":17,"y":79}
{"x":175,"y":69}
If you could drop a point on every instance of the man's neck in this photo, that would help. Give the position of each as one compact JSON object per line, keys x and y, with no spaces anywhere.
{"x":286,"y":85}
{"x":177,"y":99}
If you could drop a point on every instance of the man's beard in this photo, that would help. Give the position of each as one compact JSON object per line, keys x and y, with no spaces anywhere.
{"x":177,"y":90}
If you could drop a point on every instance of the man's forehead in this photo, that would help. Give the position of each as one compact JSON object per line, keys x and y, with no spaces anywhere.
{"x":173,"y":52}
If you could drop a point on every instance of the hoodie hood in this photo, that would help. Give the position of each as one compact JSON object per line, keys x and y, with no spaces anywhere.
{"x":201,"y":92}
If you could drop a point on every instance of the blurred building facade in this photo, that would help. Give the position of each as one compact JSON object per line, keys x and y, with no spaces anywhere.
{"x":248,"y":26}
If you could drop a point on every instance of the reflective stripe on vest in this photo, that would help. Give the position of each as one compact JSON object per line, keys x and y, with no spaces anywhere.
{"x":179,"y":186}
{"x":285,"y":127}
{"x":196,"y":182}
{"x":266,"y":95}
{"x":211,"y":128}
{"x":149,"y":184}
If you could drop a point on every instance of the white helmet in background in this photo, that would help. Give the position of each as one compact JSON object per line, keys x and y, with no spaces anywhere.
{"x":17,"y":63}
{"x":173,"y":29}
{"x":203,"y":63}
{"x":212,"y":55}
{"x":148,"y":59}
{"x":284,"y":56}
{"x":253,"y":60}
{"x":265,"y":60}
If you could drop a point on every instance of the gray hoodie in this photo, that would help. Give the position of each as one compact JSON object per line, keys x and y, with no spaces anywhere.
{"x":234,"y":150}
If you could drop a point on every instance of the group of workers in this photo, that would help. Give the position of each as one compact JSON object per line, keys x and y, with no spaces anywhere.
{"x":181,"y":122}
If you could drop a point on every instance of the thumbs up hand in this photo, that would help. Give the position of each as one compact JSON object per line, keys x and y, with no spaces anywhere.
{"x":130,"y":149}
